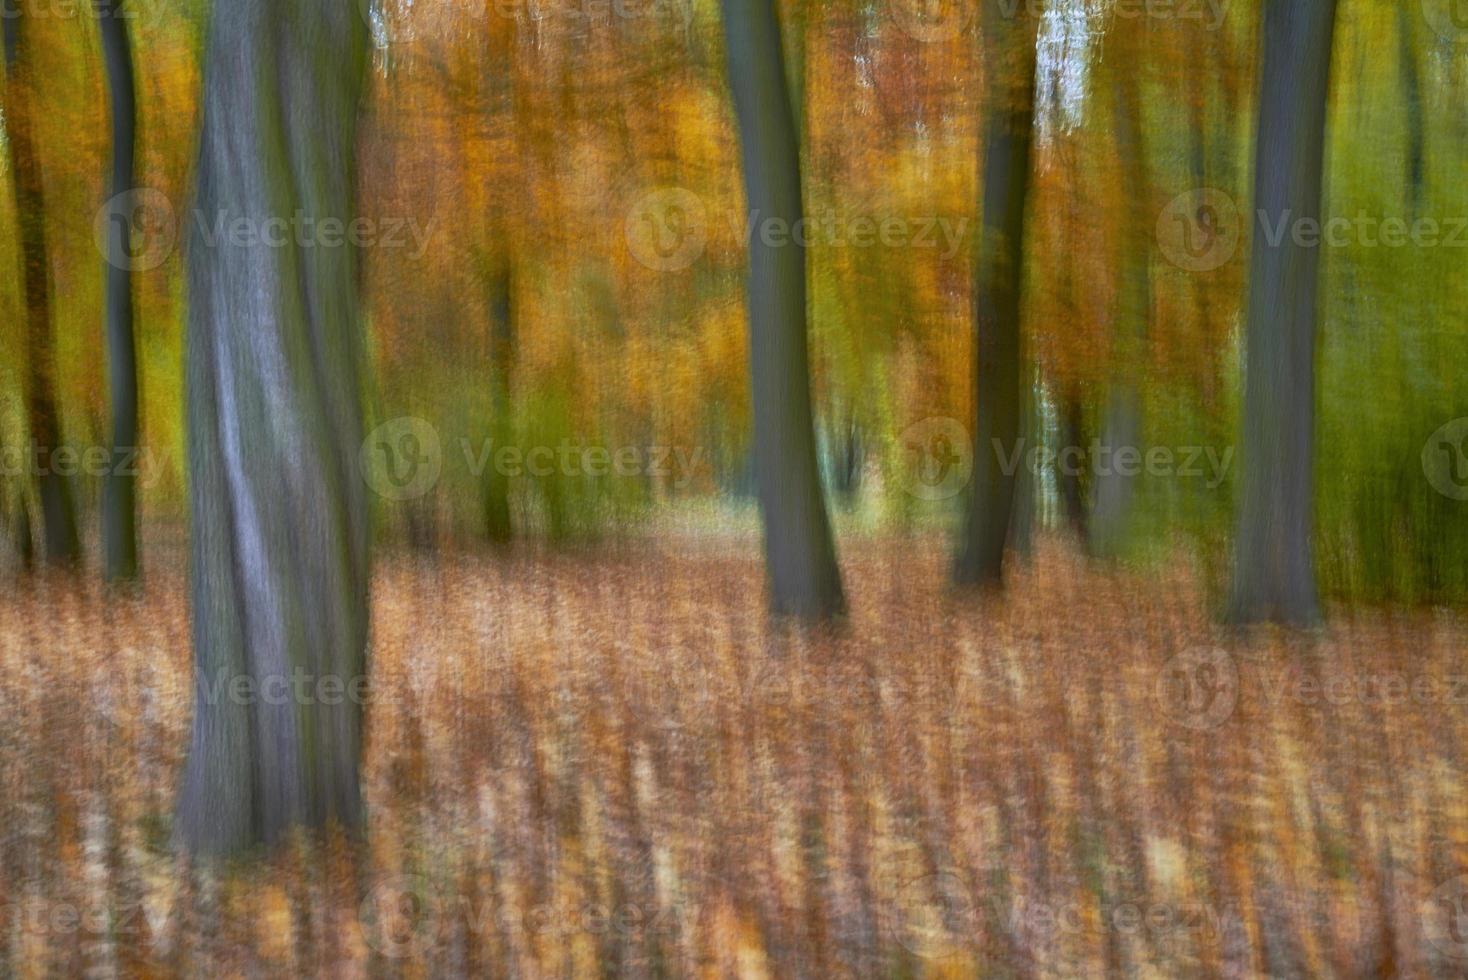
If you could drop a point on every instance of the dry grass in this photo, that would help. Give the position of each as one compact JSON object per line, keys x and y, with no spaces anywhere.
{"x":607,"y":764}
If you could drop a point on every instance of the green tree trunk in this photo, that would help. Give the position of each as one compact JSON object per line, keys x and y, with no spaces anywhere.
{"x":1274,"y":574}
{"x":58,"y":510}
{"x":119,"y":491}
{"x":1009,"y":58}
{"x":800,"y":557}
{"x":275,"y":366}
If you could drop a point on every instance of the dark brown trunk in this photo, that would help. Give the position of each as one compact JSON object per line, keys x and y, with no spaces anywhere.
{"x":58,"y":510}
{"x":119,"y":490}
{"x":1009,"y":51}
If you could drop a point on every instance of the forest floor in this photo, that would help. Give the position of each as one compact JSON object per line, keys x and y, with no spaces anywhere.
{"x":606,"y":763}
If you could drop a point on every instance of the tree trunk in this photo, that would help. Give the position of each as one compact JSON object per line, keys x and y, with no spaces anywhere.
{"x":1022,"y":516}
{"x":1009,"y":54}
{"x":1274,"y":575}
{"x":1412,"y":104}
{"x":799,"y":555}
{"x":58,"y":511}
{"x":275,"y":371}
{"x":119,"y":491}
{"x":1070,"y":468}
{"x":1111,"y":508}
{"x":498,"y":526}
{"x":1111,"y":504}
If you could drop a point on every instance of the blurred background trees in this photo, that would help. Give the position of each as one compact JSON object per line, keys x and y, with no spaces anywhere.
{"x":521,"y":137}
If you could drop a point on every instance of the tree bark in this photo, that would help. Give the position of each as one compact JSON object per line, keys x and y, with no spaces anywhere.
{"x":800,"y":558}
{"x":1009,"y":58}
{"x":1274,"y":574}
{"x":275,"y":360}
{"x":58,"y":511}
{"x":119,"y":490}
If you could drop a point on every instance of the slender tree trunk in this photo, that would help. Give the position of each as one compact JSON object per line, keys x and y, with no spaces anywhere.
{"x":799,"y":555}
{"x":119,"y":491}
{"x":58,"y":511}
{"x":1412,"y":104}
{"x":20,"y":536}
{"x":1115,"y":490}
{"x":275,"y":370}
{"x":498,"y":527}
{"x":1274,"y":575}
{"x":1070,"y":468}
{"x":1009,"y":55}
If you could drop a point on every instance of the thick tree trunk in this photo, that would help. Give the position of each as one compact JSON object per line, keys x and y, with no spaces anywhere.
{"x":1274,"y":575}
{"x":1113,"y":489}
{"x":799,"y":555}
{"x":1022,"y":516}
{"x":1009,"y":44}
{"x":275,"y":361}
{"x":58,"y":511}
{"x":119,"y":491}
